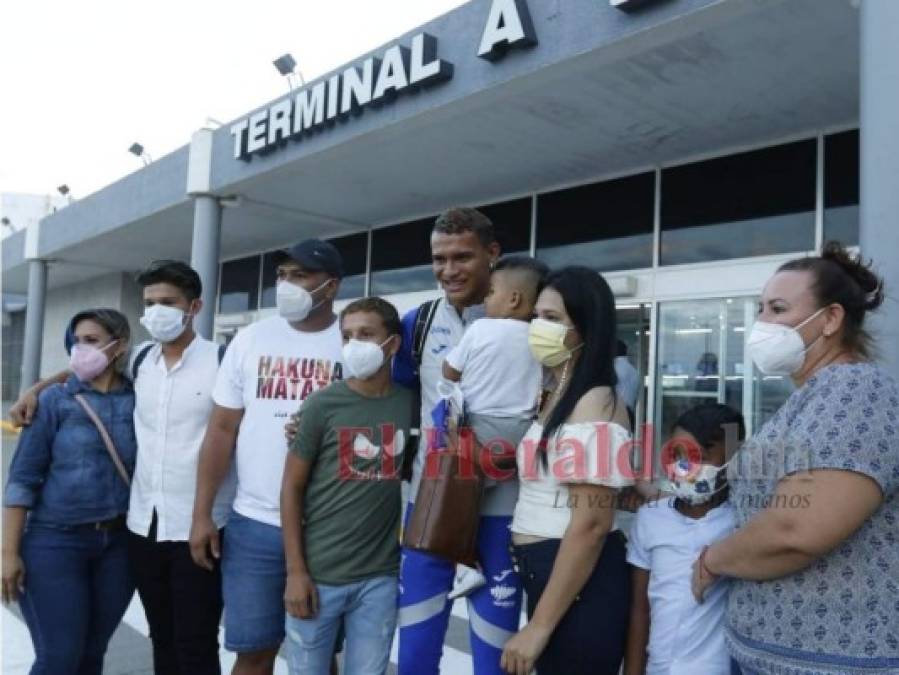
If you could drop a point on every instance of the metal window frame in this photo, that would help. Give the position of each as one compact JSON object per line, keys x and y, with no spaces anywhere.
{"x":819,"y":193}
{"x":367,"y":286}
{"x":532,"y":250}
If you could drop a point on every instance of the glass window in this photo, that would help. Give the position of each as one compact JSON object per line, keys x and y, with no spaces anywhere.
{"x":353,"y":249}
{"x":754,"y":203}
{"x":512,"y":224}
{"x":401,"y":254}
{"x":239,"y":285}
{"x":13,"y":346}
{"x":606,"y":226}
{"x":841,"y":188}
{"x":269,"y":279}
{"x":702,"y":359}
{"x":401,"y":258}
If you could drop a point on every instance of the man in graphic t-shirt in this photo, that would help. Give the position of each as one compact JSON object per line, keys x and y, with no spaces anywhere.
{"x":269,"y":369}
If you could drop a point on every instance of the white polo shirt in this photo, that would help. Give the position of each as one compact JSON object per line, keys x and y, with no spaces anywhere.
{"x":171,"y":412}
{"x":684,"y":637}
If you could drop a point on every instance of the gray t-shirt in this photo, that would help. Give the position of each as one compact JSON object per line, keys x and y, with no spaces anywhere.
{"x":841,"y":614}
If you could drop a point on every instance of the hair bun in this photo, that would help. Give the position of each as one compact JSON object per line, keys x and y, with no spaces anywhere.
{"x":859,"y":271}
{"x":874,"y":299}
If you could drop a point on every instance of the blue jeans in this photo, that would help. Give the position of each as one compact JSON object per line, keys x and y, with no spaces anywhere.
{"x":253,"y":578}
{"x":77,"y":588}
{"x":368,"y":611}
{"x":590,"y":638}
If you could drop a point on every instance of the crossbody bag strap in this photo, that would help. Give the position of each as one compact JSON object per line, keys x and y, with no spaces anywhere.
{"x":107,"y":440}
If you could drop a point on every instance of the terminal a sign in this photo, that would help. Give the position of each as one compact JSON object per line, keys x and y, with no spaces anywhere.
{"x":373,"y":82}
{"x":376,"y":81}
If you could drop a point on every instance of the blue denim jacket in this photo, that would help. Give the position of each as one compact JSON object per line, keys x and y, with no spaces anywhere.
{"x":61,"y":470}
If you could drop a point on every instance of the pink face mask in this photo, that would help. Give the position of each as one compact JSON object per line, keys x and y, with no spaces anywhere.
{"x":87,"y":361}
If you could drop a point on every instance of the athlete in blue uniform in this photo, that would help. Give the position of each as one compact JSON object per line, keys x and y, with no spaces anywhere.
{"x":463,"y":247}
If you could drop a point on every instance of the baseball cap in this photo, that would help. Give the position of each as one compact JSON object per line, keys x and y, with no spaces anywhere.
{"x":316,"y":255}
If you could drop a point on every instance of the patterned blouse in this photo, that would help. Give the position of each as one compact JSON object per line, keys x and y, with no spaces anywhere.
{"x":841,"y":614}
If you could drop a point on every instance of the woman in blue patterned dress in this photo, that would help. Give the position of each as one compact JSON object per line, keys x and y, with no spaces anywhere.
{"x":815,"y":560}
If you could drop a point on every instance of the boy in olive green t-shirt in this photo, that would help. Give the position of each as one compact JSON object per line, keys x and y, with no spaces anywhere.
{"x":340,"y":503}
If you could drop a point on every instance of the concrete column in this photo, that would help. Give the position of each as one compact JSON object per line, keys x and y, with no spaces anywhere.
{"x":34,"y":322}
{"x":879,"y":208}
{"x":204,"y":257}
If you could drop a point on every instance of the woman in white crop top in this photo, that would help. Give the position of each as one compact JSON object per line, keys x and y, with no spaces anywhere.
{"x":570,"y":557}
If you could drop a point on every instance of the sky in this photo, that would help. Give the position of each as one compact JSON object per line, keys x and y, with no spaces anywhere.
{"x":81,"y":81}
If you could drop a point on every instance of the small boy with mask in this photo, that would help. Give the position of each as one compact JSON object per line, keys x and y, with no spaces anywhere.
{"x":497,"y":379}
{"x":340,"y":502}
{"x":669,"y":632}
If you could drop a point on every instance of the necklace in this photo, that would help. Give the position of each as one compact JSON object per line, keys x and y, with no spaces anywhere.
{"x":556,"y":393}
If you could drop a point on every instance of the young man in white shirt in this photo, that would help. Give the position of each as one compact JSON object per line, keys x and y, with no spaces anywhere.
{"x":173,"y":380}
{"x":269,"y":369}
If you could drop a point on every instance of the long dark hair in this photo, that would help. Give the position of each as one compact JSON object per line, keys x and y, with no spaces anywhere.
{"x":590,"y":304}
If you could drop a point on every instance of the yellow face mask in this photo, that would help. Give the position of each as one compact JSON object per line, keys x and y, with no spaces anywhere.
{"x":547,"y":342}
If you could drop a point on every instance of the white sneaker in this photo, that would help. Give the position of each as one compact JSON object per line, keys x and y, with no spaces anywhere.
{"x":467,"y":579}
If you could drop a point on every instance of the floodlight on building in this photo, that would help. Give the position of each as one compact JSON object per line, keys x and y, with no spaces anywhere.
{"x":287,"y":66}
{"x":6,"y":223}
{"x":63,"y":190}
{"x":138,"y":150}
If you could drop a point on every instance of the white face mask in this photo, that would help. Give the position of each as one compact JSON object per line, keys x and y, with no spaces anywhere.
{"x":696,"y":487}
{"x":363,"y":359}
{"x":294,"y":302}
{"x":777,"y":349}
{"x":163,"y":323}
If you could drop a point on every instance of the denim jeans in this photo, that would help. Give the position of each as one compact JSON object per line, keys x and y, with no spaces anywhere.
{"x":253,"y":577}
{"x":368,"y":611}
{"x":77,"y":588}
{"x":590,"y":638}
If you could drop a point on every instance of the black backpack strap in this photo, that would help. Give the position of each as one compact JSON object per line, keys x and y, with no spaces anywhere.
{"x":139,"y":359}
{"x":423,"y":321}
{"x":222,"y":349}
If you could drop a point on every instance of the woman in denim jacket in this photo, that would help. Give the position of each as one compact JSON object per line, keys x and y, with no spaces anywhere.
{"x":67,"y":562}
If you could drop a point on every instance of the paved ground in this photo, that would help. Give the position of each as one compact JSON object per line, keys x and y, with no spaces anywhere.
{"x":129,"y":652}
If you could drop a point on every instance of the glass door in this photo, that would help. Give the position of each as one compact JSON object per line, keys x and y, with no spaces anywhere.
{"x":702,"y":358}
{"x":633,"y":336}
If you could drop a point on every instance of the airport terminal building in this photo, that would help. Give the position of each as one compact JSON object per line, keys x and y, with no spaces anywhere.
{"x":684,"y":148}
